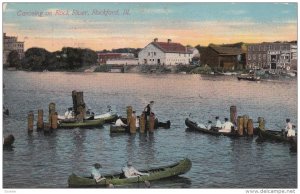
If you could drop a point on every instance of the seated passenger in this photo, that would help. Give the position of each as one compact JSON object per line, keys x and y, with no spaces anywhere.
{"x":96,"y":173}
{"x":218,"y":123}
{"x":120,"y":123}
{"x":226,"y":128}
{"x":130,"y":172}
{"x":209,"y":125}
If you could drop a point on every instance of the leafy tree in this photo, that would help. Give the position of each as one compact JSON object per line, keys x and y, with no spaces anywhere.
{"x":14,"y":59}
{"x":35,"y":59}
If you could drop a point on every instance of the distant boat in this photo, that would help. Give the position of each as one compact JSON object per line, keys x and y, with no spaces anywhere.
{"x":248,"y":77}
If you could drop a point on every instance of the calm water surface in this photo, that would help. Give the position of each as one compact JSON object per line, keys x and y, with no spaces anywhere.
{"x":40,"y":161}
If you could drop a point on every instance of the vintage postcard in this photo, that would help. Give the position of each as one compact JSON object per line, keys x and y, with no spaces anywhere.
{"x":150,"y":95}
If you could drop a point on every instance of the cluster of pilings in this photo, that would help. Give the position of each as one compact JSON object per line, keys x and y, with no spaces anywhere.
{"x":145,"y":124}
{"x":244,"y":123}
{"x":79,"y":109}
{"x":41,"y":125}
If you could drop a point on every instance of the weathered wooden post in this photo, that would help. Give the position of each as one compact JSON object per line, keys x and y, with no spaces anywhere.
{"x":129,"y":114}
{"x":250,"y":127}
{"x":40,"y":121}
{"x":132,"y":125}
{"x":240,"y":125}
{"x":142,"y":123}
{"x":30,"y":119}
{"x":151,"y":122}
{"x":81,"y":110}
{"x":245,"y":122}
{"x":51,"y":111}
{"x":233,"y":115}
{"x":261,"y":123}
{"x":54,"y":121}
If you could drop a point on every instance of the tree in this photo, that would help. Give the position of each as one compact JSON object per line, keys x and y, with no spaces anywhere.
{"x":36,"y":59}
{"x":14,"y":59}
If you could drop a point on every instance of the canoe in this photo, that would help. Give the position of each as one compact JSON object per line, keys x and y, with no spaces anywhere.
{"x":274,"y":136}
{"x":172,"y":170}
{"x":118,"y":129}
{"x":107,"y":117}
{"x":84,"y":124}
{"x":248,"y":77}
{"x":192,"y":125}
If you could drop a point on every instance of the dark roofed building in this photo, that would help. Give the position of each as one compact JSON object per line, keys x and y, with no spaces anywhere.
{"x":223,"y":58}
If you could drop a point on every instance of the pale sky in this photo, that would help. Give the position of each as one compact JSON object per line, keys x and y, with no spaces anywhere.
{"x":40,"y":25}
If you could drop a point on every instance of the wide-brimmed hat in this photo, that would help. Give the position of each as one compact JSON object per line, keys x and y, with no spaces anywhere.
{"x":97,"y":165}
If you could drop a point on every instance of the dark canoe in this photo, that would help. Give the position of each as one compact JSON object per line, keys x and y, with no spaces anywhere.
{"x":274,"y":136}
{"x":176,"y":169}
{"x":118,"y":129}
{"x":84,"y":124}
{"x":249,"y":78}
{"x":192,"y":125}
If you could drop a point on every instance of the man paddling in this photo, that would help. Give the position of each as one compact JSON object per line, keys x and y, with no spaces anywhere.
{"x":130,"y":172}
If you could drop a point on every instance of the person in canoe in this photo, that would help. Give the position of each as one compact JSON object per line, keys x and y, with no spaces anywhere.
{"x":96,"y":172}
{"x":227,"y":126}
{"x":130,"y":172}
{"x":119,"y":122}
{"x":148,"y":108}
{"x":69,"y":114}
{"x":209,"y":125}
{"x":289,"y":131}
{"x":218,"y":123}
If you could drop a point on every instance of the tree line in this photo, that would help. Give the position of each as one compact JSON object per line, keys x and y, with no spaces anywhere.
{"x":39,"y":59}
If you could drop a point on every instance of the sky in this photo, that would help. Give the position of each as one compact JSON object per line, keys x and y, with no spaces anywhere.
{"x":118,"y":25}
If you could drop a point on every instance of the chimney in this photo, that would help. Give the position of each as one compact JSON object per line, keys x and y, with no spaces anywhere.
{"x":169,"y":40}
{"x":155,"y":39}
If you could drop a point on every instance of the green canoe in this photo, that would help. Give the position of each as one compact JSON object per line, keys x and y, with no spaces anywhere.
{"x":176,"y":169}
{"x":84,"y":124}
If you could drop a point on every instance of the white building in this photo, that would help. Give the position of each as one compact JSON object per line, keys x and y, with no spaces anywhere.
{"x":165,"y":53}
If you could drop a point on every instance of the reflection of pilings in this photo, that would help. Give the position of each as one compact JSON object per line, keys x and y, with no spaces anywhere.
{"x":30,"y":120}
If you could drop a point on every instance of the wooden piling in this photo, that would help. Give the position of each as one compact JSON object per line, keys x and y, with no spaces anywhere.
{"x":30,"y":119}
{"x":240,"y":125}
{"x":261,"y":123}
{"x":233,"y":115}
{"x":142,"y":123}
{"x":51,"y":110}
{"x":8,"y":141}
{"x":129,"y":113}
{"x":250,"y":127}
{"x":151,"y":122}
{"x":245,"y":122}
{"x":54,"y":121}
{"x":132,"y":125}
{"x":40,"y":121}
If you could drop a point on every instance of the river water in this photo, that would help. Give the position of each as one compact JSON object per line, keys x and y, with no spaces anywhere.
{"x":46,"y":161}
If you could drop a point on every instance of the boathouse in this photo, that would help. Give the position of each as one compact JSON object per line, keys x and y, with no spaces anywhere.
{"x":223,"y":58}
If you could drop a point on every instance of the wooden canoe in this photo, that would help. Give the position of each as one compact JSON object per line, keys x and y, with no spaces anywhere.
{"x":84,"y":124}
{"x":107,"y":117}
{"x":248,"y":77}
{"x":118,"y":129}
{"x":274,"y":136}
{"x":172,"y":170}
{"x":193,"y":126}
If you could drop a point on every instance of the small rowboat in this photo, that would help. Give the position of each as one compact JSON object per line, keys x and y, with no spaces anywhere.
{"x":274,"y":136}
{"x":83,"y":124}
{"x":248,"y":77}
{"x":192,"y":125}
{"x":118,"y":129}
{"x":172,"y":170}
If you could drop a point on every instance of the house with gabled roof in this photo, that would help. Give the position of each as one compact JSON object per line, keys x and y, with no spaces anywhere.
{"x":165,"y":53}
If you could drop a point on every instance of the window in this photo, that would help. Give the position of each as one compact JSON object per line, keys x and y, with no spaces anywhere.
{"x":254,"y":57}
{"x":148,"y":53}
{"x":249,"y":57}
{"x":154,"y":53}
{"x":264,"y":56}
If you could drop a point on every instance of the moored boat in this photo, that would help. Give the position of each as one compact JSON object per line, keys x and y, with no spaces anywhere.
{"x":192,"y":125}
{"x":83,"y":124}
{"x":248,"y":77}
{"x":118,"y":129}
{"x":172,"y":170}
{"x":276,"y":136}
{"x":107,"y":117}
